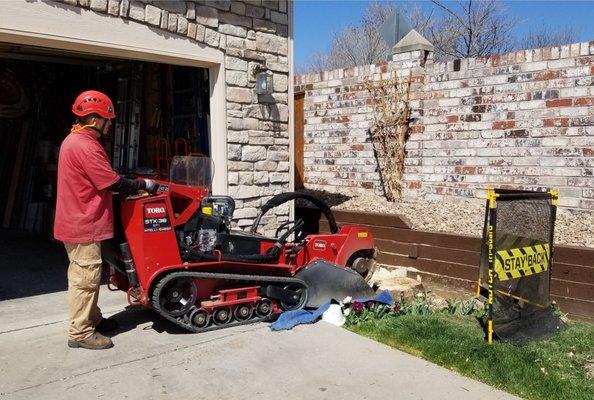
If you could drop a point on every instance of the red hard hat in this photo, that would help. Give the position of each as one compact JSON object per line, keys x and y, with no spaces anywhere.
{"x":93,"y":102}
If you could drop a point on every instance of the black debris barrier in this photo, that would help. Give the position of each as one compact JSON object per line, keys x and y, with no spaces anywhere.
{"x":516,"y":263}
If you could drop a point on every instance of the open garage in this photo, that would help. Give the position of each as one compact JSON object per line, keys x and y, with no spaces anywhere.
{"x":167,"y":99}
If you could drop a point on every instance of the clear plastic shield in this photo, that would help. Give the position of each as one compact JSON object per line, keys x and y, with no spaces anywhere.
{"x":195,"y":171}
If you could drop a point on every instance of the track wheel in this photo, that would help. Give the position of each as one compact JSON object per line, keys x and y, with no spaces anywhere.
{"x":264,"y":308}
{"x":200,"y":318}
{"x":295,"y":303}
{"x":178,"y":296}
{"x":222,"y":316}
{"x":243,"y":312}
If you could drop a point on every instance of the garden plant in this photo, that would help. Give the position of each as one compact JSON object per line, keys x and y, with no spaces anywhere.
{"x":561,"y":367}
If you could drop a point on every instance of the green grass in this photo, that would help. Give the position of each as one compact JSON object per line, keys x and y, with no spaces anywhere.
{"x":549,"y":369}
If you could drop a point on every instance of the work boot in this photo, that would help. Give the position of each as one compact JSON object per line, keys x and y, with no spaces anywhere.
{"x":94,"y":342}
{"x":106,"y":325}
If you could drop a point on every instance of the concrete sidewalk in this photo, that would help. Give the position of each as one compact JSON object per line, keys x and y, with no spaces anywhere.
{"x":154,"y":360}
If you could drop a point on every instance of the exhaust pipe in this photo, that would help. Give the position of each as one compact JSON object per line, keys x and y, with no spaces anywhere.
{"x":129,"y":263}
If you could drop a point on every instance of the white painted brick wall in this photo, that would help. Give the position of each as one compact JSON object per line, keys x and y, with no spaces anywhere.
{"x":531,"y":111}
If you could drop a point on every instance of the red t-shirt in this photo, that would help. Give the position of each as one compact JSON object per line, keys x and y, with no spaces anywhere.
{"x":84,"y":210}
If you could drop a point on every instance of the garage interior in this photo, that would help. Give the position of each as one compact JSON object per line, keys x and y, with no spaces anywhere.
{"x":162,"y":111}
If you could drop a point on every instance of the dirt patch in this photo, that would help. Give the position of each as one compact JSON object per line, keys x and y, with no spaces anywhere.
{"x":590,"y":369}
{"x":401,"y":287}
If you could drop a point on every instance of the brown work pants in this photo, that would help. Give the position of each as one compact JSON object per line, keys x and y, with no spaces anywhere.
{"x":84,"y":277}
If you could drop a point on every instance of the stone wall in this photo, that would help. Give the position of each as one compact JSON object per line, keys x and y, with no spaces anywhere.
{"x":519,"y":120}
{"x":250,"y":33}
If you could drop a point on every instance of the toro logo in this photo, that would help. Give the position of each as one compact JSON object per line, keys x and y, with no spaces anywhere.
{"x":155,"y":211}
{"x":319,"y":245}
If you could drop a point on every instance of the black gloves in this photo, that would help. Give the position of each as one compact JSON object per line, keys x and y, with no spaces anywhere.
{"x":150,"y":186}
{"x":127,"y":187}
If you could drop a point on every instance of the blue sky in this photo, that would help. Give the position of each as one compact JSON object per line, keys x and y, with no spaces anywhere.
{"x":316,"y":20}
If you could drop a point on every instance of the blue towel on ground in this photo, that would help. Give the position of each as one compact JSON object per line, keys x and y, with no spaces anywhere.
{"x":289,"y":319}
{"x":383,"y":297}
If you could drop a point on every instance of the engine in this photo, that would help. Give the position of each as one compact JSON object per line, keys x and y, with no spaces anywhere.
{"x":209,"y":230}
{"x":203,"y":229}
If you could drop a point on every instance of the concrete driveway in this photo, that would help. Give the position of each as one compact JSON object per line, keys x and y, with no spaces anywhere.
{"x":154,"y":360}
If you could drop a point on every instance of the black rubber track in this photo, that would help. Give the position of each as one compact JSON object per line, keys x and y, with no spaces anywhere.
{"x":184,"y":321}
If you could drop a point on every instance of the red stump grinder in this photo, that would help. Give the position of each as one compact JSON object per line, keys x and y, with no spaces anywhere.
{"x":178,"y":255}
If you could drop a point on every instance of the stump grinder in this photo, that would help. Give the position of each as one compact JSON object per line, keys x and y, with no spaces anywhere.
{"x":175,"y":252}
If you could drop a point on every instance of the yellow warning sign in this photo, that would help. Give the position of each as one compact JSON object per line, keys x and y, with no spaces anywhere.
{"x":524,"y":261}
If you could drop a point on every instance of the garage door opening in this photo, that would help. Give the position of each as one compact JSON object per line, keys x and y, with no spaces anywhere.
{"x":162,"y":110}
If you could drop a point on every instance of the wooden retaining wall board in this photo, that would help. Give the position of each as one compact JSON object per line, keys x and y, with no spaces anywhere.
{"x":453,"y":260}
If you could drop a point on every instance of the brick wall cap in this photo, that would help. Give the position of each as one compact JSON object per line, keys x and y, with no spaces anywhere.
{"x":411,"y":42}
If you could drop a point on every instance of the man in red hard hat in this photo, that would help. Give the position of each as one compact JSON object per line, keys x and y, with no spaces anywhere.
{"x":84,"y":214}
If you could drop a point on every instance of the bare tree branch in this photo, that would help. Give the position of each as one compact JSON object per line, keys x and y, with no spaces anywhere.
{"x":449,"y":11}
{"x":316,"y":62}
{"x":544,"y":36}
{"x":471,"y":29}
{"x":358,"y":45}
{"x":419,"y":19}
{"x":461,"y":29}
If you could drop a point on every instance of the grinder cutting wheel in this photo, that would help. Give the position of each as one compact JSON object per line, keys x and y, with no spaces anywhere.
{"x":178,"y":255}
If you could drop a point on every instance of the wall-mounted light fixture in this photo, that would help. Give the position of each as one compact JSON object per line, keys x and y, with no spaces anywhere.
{"x":263,"y":81}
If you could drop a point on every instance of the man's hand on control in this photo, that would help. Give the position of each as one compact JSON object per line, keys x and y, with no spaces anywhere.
{"x":151,"y":186}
